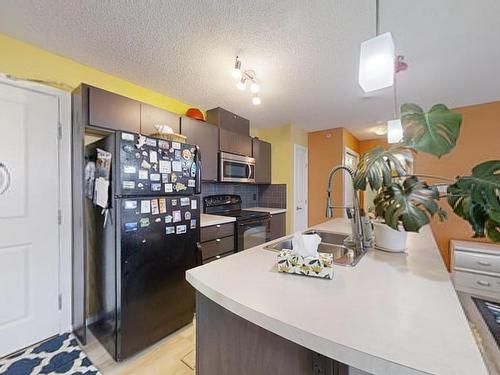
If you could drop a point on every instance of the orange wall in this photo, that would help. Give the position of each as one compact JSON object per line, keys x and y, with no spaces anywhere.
{"x":479,"y":141}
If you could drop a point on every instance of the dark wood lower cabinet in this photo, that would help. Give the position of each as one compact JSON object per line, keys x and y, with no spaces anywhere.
{"x":227,"y":344}
{"x":278,"y":225}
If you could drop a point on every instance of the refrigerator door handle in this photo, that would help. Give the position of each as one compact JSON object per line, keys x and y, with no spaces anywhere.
{"x":198,"y":170}
{"x":6,"y":179}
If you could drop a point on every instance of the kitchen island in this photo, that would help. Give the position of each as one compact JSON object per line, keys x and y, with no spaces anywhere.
{"x":390,"y":314}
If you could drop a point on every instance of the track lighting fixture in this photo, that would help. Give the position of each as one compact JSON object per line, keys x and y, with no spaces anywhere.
{"x":244,"y":76}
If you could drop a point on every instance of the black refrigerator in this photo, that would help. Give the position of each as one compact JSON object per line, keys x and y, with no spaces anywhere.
{"x":140,"y":247}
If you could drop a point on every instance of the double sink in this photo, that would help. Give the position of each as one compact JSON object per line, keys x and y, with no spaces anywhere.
{"x":331,"y":243}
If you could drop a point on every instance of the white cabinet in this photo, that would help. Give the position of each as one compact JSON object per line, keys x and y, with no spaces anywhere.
{"x":476,"y":268}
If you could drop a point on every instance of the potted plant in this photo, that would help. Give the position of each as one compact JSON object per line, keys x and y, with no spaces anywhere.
{"x":405,"y":202}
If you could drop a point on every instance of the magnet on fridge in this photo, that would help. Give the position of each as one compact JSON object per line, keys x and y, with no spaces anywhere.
{"x":176,"y":166}
{"x":185,"y":201}
{"x":145,"y":153}
{"x":163,"y":144}
{"x":128,"y":185}
{"x":194,"y":204}
{"x":193,"y":170}
{"x":154,"y":177}
{"x":144,"y":222}
{"x":137,"y":155}
{"x":165,"y":166}
{"x":169,"y":188}
{"x":191,"y":183}
{"x":140,"y":185}
{"x":163,"y":205}
{"x":127,"y":137}
{"x":177,"y":155}
{"x":174,"y":202}
{"x":153,"y":156}
{"x":186,"y":154}
{"x":165,"y":177}
{"x":130,"y":227}
{"x":168,"y":219}
{"x":180,"y":229}
{"x":158,"y":220}
{"x":151,"y":142}
{"x":176,"y":145}
{"x":155,"y":187}
{"x":145,"y":206}
{"x":130,"y":205}
{"x":180,"y":186}
{"x":128,"y":149}
{"x":193,"y":224}
{"x":177,"y":216}
{"x":170,"y":230}
{"x":145,"y":165}
{"x":129,"y":169}
{"x":143,"y":174}
{"x":154,"y":207}
{"x":171,"y":150}
{"x":187,"y":215}
{"x":141,"y":141}
{"x":173,"y":177}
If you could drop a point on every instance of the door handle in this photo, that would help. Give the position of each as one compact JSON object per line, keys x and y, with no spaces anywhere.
{"x":5,"y":178}
{"x":299,"y":208}
{"x":483,"y":283}
{"x":483,"y":263}
{"x":249,"y":171}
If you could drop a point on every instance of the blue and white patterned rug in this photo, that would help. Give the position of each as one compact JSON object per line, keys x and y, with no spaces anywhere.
{"x":58,"y":355}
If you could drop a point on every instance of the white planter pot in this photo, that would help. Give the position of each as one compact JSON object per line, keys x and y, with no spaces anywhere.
{"x":388,"y":239}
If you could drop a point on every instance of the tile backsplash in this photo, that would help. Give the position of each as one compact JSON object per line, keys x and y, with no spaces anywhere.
{"x":273,"y":195}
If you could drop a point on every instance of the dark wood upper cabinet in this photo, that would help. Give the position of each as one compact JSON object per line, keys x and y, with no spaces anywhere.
{"x":206,"y":136}
{"x":235,"y":143}
{"x":262,"y":154}
{"x":112,"y":111}
{"x":151,"y":116}
{"x":229,"y":121}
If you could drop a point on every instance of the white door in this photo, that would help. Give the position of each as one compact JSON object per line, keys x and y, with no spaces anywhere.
{"x":300,"y":188}
{"x":29,"y":238}
{"x":351,"y":159}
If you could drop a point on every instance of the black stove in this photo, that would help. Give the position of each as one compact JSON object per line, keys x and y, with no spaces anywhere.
{"x":230,"y":205}
{"x":252,"y":227}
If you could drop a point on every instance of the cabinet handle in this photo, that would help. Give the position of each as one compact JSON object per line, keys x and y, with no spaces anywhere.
{"x":217,"y":226}
{"x":217,"y":240}
{"x":5,"y":180}
{"x":483,"y":263}
{"x":483,"y":283}
{"x":217,"y":257}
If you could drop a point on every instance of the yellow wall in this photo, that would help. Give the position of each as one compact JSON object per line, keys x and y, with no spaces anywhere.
{"x":26,"y":61}
{"x":282,"y":139}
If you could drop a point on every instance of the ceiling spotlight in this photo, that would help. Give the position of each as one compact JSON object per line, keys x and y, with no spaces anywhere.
{"x":246,"y":75}
{"x":236,"y":73}
{"x":254,"y":88}
{"x":380,"y":130}
{"x":256,"y":100}
{"x":242,"y":84}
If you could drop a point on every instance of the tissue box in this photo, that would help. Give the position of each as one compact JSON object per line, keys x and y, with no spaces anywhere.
{"x":322,"y":266}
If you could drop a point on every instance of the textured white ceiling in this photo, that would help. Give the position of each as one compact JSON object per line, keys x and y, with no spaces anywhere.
{"x":304,"y":52}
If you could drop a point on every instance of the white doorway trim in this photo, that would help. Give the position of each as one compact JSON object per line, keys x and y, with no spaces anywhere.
{"x":64,"y":187}
{"x":296,"y":182}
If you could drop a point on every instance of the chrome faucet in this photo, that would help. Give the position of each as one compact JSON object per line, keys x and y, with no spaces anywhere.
{"x":354,"y":212}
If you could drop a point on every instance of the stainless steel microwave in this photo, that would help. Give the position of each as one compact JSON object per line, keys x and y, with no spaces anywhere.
{"x":236,"y":168}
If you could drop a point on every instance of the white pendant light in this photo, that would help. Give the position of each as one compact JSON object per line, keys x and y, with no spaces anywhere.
{"x":376,"y":60}
{"x":236,"y":72}
{"x":254,"y":88}
{"x":394,"y":131}
{"x":242,"y":84}
{"x":256,"y":100}
{"x":376,"y":63}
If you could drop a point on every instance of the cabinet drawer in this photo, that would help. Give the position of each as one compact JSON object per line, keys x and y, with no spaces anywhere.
{"x":477,"y":281}
{"x":217,"y":257}
{"x":216,"y":231}
{"x":477,"y":261}
{"x":216,"y":247}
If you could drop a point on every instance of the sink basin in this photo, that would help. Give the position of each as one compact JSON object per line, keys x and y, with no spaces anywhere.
{"x":331,"y":243}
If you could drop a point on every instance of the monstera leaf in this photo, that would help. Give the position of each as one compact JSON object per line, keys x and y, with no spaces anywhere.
{"x":377,"y":167}
{"x":410,"y":203}
{"x":476,"y":198}
{"x":434,"y":132}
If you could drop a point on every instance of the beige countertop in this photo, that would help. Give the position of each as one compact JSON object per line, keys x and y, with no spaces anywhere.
{"x":391,"y":314}
{"x":272,"y":211}
{"x":207,"y":220}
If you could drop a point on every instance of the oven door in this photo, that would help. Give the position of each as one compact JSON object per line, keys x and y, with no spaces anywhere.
{"x":236,"y":168}
{"x":253,"y":233}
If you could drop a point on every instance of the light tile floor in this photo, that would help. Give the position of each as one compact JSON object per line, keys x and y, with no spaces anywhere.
{"x":174,"y":355}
